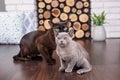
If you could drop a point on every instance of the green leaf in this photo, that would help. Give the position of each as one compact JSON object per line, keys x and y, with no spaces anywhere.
{"x":98,"y":20}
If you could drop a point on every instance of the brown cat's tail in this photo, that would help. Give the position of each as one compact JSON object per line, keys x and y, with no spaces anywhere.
{"x":20,"y":58}
{"x":23,"y":58}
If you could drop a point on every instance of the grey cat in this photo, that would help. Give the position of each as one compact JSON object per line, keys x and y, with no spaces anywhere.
{"x":71,"y":54}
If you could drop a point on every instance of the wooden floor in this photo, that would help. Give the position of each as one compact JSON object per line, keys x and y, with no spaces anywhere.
{"x":105,"y":59}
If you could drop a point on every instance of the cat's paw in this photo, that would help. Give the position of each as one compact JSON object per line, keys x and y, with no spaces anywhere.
{"x":68,"y":70}
{"x":80,"y":72}
{"x":61,"y":68}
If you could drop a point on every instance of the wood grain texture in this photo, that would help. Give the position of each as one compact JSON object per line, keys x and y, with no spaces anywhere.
{"x":79,"y":5}
{"x":85,"y":27}
{"x":55,"y":12}
{"x":62,"y":10}
{"x":40,"y":10}
{"x":41,"y":28}
{"x":86,"y":4}
{"x":73,"y":17}
{"x":54,"y":3}
{"x":79,"y":33}
{"x":48,"y":1}
{"x":66,"y":9}
{"x":48,"y":7}
{"x":79,"y":12}
{"x":40,"y":0}
{"x":46,"y":24}
{"x":41,"y":22}
{"x":87,"y":34}
{"x":47,"y":14}
{"x":41,"y":4}
{"x":74,"y":9}
{"x":86,"y":10}
{"x":76,"y":25}
{"x":104,"y":56}
{"x":62,"y":5}
{"x":63,"y":16}
{"x":40,"y":16}
{"x":83,"y":18}
{"x":61,"y":0}
{"x":84,"y":0}
{"x":70,"y":2}
{"x":56,"y":20}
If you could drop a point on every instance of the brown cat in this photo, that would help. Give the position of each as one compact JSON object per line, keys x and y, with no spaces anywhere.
{"x":40,"y":42}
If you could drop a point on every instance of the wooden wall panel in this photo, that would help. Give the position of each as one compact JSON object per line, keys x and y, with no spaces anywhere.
{"x":78,"y":11}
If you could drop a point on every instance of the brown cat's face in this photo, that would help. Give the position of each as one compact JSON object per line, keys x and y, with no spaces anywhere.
{"x":60,"y":27}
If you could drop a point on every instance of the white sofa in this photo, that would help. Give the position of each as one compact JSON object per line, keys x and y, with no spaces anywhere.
{"x":13,"y":25}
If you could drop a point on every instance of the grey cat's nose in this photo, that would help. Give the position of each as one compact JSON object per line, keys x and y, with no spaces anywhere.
{"x":61,"y":41}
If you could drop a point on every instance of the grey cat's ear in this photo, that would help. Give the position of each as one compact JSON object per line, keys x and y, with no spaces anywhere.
{"x":71,"y":33}
{"x":67,"y":22}
{"x":51,"y":24}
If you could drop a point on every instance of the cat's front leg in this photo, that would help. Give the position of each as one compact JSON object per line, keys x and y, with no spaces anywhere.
{"x":63,"y":65}
{"x":71,"y":65}
{"x":86,"y":67}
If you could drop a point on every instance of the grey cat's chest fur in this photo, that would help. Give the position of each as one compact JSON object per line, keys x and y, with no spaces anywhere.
{"x":66,"y":53}
{"x":63,"y":53}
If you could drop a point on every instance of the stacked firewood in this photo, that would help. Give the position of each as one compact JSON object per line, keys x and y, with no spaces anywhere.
{"x":78,"y":11}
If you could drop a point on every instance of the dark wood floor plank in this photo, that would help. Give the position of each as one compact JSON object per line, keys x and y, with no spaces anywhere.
{"x":104,"y":57}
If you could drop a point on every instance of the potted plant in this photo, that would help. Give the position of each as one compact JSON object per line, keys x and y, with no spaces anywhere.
{"x":98,"y":30}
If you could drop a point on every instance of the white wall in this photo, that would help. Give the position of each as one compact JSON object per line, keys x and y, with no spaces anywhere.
{"x":20,"y":5}
{"x":111,"y":7}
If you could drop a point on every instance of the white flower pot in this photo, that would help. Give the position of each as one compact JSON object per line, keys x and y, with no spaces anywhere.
{"x":98,"y":33}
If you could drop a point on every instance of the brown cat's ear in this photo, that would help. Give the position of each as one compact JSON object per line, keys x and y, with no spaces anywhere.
{"x":56,"y":32}
{"x":71,"y":33}
{"x":51,"y":24}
